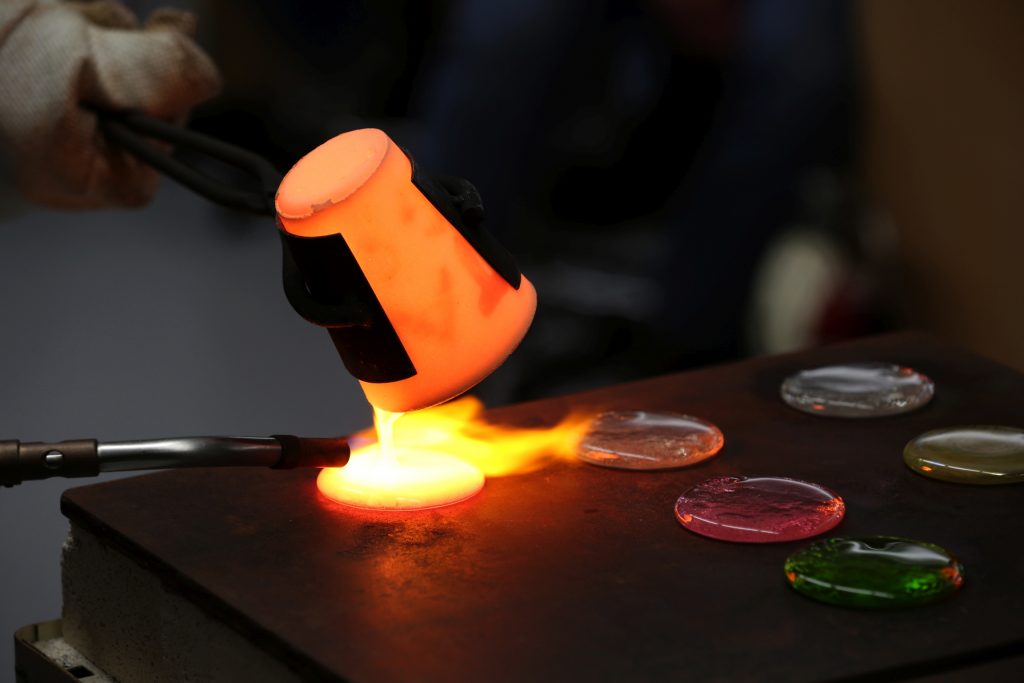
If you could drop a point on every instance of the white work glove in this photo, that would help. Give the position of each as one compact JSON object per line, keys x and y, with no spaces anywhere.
{"x":56,"y":56}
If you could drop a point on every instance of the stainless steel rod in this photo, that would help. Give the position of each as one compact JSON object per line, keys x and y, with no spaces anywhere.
{"x":196,"y":451}
{"x":86,"y":457}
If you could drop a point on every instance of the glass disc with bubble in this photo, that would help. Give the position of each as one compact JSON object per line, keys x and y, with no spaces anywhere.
{"x":642,"y":440}
{"x":857,"y":390}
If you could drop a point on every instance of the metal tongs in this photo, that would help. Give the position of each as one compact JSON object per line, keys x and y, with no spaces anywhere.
{"x":134,"y":132}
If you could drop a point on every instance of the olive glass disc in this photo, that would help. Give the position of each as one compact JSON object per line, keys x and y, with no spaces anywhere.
{"x":640,"y":440}
{"x":874,"y":572}
{"x":969,"y":455}
{"x":857,"y":390}
{"x":759,"y":509}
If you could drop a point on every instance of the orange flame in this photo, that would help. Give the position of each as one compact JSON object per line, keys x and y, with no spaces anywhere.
{"x":440,"y":455}
{"x":457,"y":428}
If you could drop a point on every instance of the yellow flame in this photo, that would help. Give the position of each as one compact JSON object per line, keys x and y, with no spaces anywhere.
{"x":440,"y":455}
{"x":457,"y":428}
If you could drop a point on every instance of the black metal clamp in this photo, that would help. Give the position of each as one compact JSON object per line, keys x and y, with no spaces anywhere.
{"x":322,"y":280}
{"x":133,"y":132}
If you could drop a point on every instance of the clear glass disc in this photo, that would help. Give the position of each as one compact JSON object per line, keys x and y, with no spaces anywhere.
{"x":857,"y":390}
{"x":641,"y":440}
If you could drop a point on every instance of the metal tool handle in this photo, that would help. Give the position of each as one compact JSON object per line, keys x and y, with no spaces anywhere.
{"x":86,"y":457}
{"x":133,"y":131}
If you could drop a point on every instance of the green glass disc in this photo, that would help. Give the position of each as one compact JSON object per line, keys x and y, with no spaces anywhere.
{"x":874,"y":572}
{"x":969,"y":455}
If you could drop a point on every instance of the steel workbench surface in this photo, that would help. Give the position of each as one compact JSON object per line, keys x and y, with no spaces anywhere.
{"x":575,"y":572}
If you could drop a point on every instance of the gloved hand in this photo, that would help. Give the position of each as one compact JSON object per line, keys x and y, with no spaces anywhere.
{"x":58,"y":55}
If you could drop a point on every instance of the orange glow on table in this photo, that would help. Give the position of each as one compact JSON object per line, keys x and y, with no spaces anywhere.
{"x":441,"y":455}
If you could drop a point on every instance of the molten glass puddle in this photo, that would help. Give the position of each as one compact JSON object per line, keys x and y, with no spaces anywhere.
{"x":387,"y":476}
{"x":441,"y":455}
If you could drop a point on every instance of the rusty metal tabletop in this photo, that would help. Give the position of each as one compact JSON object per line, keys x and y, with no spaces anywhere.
{"x":576,"y":572}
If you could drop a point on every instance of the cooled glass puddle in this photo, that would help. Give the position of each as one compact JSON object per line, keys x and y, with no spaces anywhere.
{"x":874,"y":572}
{"x":857,"y":390}
{"x":977,"y":454}
{"x":642,"y":440}
{"x":759,"y":509}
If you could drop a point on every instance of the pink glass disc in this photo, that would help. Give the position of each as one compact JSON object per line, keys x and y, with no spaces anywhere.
{"x":759,"y":509}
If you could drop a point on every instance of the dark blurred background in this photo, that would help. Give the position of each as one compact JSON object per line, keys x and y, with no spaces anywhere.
{"x":685,"y":181}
